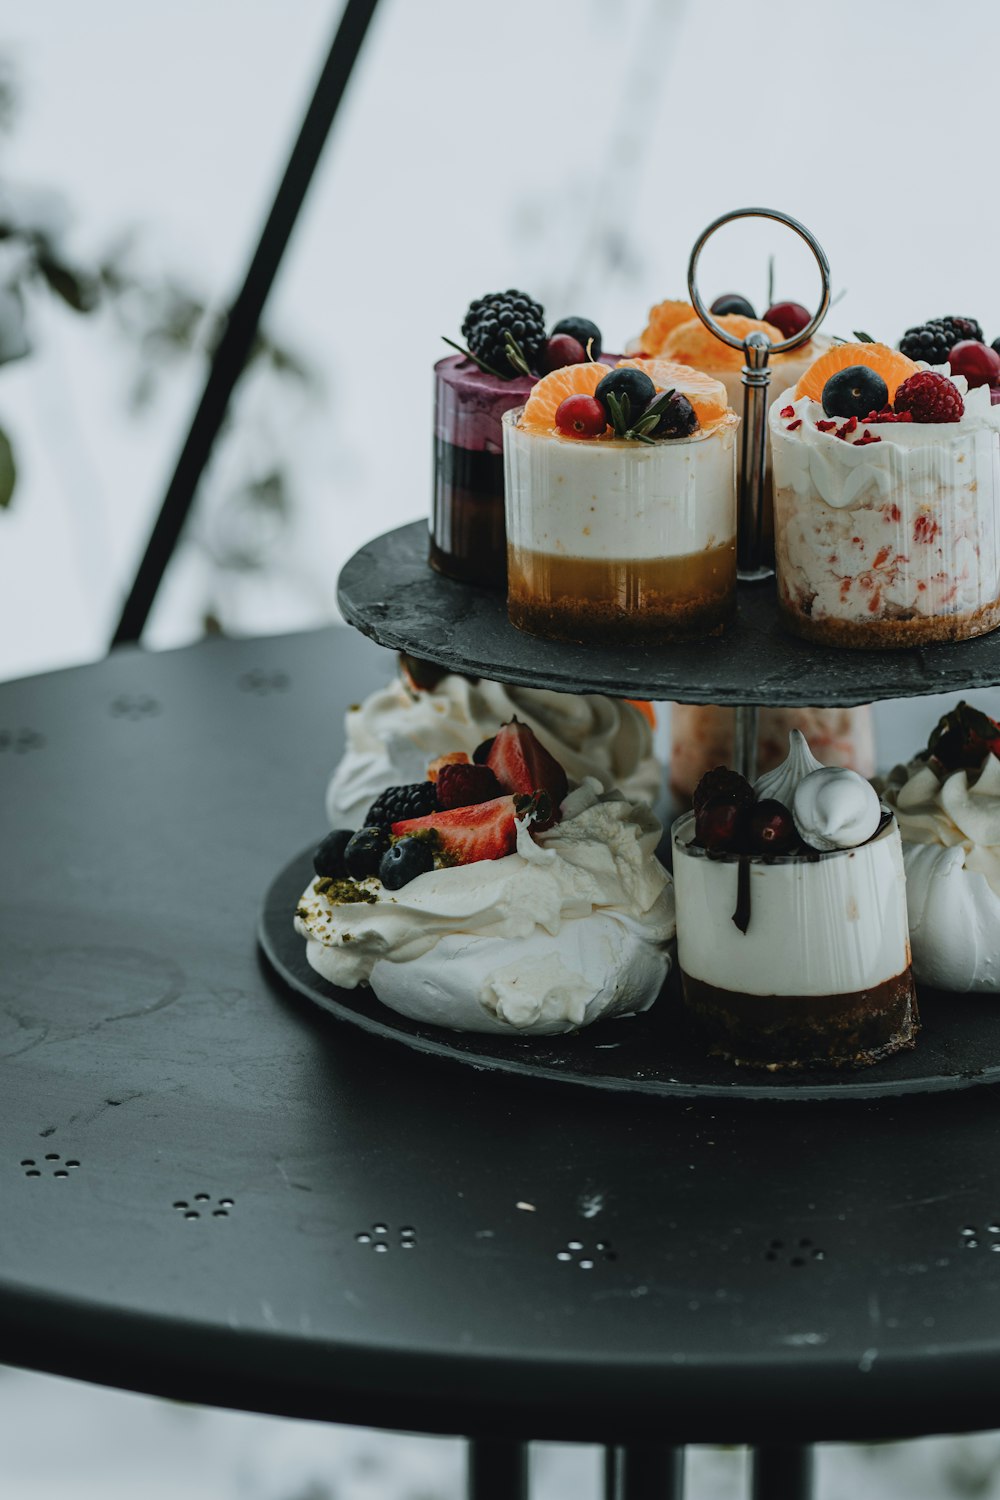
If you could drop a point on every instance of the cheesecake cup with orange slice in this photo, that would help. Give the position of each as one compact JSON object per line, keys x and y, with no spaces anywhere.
{"x":620,"y":501}
{"x":887,"y":502}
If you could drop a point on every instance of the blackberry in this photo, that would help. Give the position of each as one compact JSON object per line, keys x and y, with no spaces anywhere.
{"x":932,"y":340}
{"x":490,"y":318}
{"x":399,"y":802}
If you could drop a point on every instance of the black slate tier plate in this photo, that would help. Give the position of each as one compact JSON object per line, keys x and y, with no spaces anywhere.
{"x":958,"y":1048}
{"x":388,"y":592}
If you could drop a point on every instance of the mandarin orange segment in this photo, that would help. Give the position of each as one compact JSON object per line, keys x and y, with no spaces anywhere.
{"x":893,"y":367}
{"x":551,"y":391}
{"x":691,"y":343}
{"x":707,"y":396}
{"x":663,"y":319}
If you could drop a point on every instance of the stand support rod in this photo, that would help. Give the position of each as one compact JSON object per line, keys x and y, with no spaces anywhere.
{"x":782,"y":1473}
{"x":240,"y":328}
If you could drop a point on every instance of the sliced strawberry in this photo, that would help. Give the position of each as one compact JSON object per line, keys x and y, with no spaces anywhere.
{"x":522,"y":764}
{"x":466,"y":785}
{"x":454,"y":758}
{"x":467,"y":834}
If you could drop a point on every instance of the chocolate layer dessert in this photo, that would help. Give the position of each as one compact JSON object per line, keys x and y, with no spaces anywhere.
{"x":791,"y":916}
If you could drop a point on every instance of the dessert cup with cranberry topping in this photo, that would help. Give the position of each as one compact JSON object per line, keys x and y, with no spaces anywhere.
{"x":791,"y":917}
{"x":616,"y":537}
{"x":887,"y":525}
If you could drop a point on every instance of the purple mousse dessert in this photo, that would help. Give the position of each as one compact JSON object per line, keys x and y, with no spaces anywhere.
{"x":468,"y":540}
{"x":506,"y":349}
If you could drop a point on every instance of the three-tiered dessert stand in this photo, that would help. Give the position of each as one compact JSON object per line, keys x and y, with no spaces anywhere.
{"x":388,"y":592}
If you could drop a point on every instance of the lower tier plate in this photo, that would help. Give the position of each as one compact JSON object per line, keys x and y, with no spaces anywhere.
{"x":958,"y":1047}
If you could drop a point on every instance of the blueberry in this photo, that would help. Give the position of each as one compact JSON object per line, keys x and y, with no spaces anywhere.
{"x":583,"y":330}
{"x":633,"y":386}
{"x":854,"y":392}
{"x":328,"y":859}
{"x":365,"y":850}
{"x":678,"y":419}
{"x":404,"y":862}
{"x":732,"y":302}
{"x":481,"y":754}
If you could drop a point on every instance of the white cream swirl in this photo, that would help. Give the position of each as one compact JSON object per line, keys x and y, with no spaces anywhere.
{"x":396,"y":732}
{"x":799,"y":763}
{"x":834,"y":808}
{"x":951,"y":850}
{"x":570,"y":928}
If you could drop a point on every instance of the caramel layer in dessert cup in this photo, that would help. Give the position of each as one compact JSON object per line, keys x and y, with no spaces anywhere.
{"x":617,"y":539}
{"x":821,"y":976}
{"x":703,"y":736}
{"x":890,"y":535}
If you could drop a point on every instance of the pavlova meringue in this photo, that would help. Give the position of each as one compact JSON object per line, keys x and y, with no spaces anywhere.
{"x":535,"y":910}
{"x":949,"y":817}
{"x":393,"y":734}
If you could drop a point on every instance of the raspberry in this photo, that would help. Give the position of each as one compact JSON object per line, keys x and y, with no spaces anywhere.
{"x":466,"y":786}
{"x":888,"y":415}
{"x":929,"y":397}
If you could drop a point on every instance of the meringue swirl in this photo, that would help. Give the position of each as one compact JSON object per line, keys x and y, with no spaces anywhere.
{"x":834,"y":808}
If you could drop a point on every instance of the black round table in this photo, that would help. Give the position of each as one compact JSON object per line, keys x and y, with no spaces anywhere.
{"x":214,"y":1191}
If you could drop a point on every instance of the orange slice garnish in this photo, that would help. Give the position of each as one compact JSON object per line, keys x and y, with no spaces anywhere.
{"x":551,"y":391}
{"x":663,"y":319}
{"x":692,"y":344}
{"x":893,"y":367}
{"x":646,"y":709}
{"x":707,"y":396}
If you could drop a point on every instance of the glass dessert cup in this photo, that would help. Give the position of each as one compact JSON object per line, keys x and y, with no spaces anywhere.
{"x":613,"y":539}
{"x":468,"y":541}
{"x":703,"y":736}
{"x":821,"y":975}
{"x":886,"y":543}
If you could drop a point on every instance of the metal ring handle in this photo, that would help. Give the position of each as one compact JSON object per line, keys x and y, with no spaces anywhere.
{"x":805,"y":334}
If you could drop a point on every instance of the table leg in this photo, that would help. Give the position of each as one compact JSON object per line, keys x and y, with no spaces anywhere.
{"x":644,"y":1471}
{"x":782,"y":1472}
{"x":498,"y":1469}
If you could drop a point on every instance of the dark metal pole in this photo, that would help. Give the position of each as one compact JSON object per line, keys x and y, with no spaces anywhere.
{"x":783,"y":1472}
{"x":241,"y":324}
{"x":644,"y":1471}
{"x":498,"y":1469}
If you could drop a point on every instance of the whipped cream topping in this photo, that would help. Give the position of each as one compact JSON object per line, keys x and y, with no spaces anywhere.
{"x":961,"y":810}
{"x":783,"y":780}
{"x":834,"y":808}
{"x":569,"y":928}
{"x":951,"y":850}
{"x":916,"y":455}
{"x":395,"y":733}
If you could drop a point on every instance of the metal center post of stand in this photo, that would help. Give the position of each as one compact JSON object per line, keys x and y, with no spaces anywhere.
{"x":644,"y":1471}
{"x":783,"y":1472}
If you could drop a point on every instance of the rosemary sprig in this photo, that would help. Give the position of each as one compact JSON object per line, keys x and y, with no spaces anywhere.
{"x":489,"y":370}
{"x":515,"y":354}
{"x":620,"y":409}
{"x":863,"y":338}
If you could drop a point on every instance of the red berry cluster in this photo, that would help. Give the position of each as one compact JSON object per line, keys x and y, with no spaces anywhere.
{"x":728,"y":818}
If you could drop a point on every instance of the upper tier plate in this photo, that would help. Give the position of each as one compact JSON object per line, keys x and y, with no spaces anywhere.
{"x":388,"y":592}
